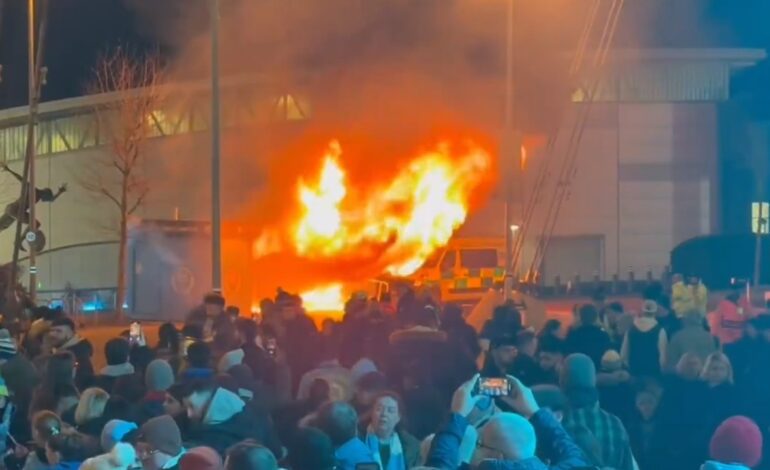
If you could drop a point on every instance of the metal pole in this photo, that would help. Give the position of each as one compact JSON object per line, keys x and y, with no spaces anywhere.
{"x":33,"y":78}
{"x":508,"y":147}
{"x":216,"y":213}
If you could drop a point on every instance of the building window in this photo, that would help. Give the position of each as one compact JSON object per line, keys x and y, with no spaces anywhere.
{"x":760,"y":212}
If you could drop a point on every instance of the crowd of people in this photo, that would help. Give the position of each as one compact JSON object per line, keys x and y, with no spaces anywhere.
{"x":396,"y":386}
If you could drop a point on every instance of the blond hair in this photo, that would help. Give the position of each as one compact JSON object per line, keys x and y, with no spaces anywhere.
{"x":91,"y":405}
{"x":718,"y":357}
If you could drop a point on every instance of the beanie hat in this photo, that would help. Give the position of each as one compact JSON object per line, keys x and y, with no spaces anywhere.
{"x":578,"y":372}
{"x":737,"y":440}
{"x":114,"y":432}
{"x":549,"y":396}
{"x":611,"y":361}
{"x":162,"y":433}
{"x":121,"y":457}
{"x":7,"y":345}
{"x":230,"y":359}
{"x":201,"y":458}
{"x":159,"y":376}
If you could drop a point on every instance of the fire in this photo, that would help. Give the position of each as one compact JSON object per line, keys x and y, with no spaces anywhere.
{"x":389,"y":226}
{"x":324,"y":299}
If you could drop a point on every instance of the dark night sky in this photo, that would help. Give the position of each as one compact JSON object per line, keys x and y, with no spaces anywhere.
{"x":80,"y":29}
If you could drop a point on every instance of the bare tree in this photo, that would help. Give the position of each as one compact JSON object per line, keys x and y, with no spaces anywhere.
{"x":133,"y":83}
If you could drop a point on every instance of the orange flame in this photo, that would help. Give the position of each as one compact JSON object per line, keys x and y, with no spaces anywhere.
{"x":397,"y":224}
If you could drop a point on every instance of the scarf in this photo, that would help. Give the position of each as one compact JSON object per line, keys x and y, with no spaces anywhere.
{"x":396,"y":461}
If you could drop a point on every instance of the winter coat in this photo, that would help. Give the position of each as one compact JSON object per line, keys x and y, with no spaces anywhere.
{"x":108,"y":375}
{"x":711,"y":465}
{"x":644,"y":348}
{"x":728,"y":320}
{"x":556,"y":444}
{"x":227,"y":421}
{"x":686,"y":298}
{"x":692,"y":338}
{"x":590,"y":340}
{"x":83,"y":351}
{"x":351,"y":454}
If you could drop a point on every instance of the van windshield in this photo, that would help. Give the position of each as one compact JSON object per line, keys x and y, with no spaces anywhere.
{"x":477,"y":259}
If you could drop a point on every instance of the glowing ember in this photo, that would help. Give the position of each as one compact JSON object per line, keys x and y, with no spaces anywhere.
{"x":325,"y":299}
{"x":385,"y":226}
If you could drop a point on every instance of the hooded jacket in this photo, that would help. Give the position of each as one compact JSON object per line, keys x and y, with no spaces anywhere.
{"x":227,"y":421}
{"x":692,"y":338}
{"x":83,"y":351}
{"x":556,"y":444}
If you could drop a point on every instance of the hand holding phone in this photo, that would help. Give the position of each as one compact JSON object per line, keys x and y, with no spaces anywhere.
{"x":521,"y":398}
{"x":493,"y":387}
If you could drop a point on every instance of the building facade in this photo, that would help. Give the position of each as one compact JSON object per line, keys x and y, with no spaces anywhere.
{"x":645,"y":175}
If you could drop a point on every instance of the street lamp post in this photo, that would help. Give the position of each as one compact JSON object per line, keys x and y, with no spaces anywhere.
{"x":510,"y":146}
{"x":216,"y":210}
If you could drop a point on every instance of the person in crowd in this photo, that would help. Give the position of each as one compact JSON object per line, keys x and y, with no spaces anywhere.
{"x":64,"y":338}
{"x":720,"y":390}
{"x":169,"y":346}
{"x":525,"y":366}
{"x":158,"y":378}
{"x":505,"y":321}
{"x":115,"y":432}
{"x":225,"y":337}
{"x":57,"y":391}
{"x":340,"y":422}
{"x":616,"y":322}
{"x":735,"y":445}
{"x":550,"y":356}
{"x":502,"y":355}
{"x":45,"y":425}
{"x":288,"y":416}
{"x":219,"y":419}
{"x":552,"y":328}
{"x":686,"y":297}
{"x":392,"y":447}
{"x":311,"y":449}
{"x":250,"y":455}
{"x":459,"y":332}
{"x":644,"y":346}
{"x":121,"y":457}
{"x":728,"y":321}
{"x":553,"y":399}
{"x":756,"y":380}
{"x":301,"y":336}
{"x":588,"y":337}
{"x":330,"y":370}
{"x":421,"y":344}
{"x":692,"y":338}
{"x":68,"y":450}
{"x":116,"y":352}
{"x":89,"y":413}
{"x":7,"y":410}
{"x":508,"y":440}
{"x":159,"y":444}
{"x":681,"y":414}
{"x":578,"y":381}
{"x":644,"y":429}
{"x":366,"y":389}
{"x":201,"y":458}
{"x":21,"y":377}
{"x":616,"y":395}
{"x":198,"y":363}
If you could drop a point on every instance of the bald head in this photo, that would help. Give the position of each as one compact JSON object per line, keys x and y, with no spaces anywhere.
{"x":511,"y":435}
{"x":249,"y":455}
